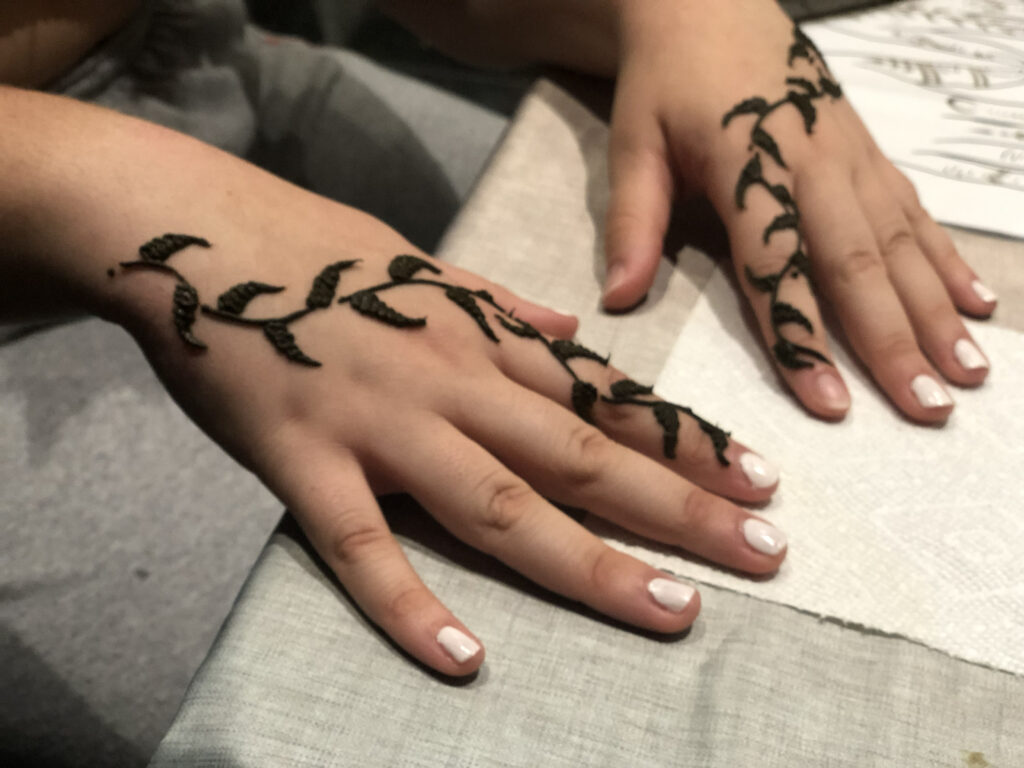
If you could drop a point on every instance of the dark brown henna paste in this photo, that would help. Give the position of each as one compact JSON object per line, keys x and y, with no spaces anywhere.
{"x":801,"y":95}
{"x":629,"y":392}
{"x":233,"y":303}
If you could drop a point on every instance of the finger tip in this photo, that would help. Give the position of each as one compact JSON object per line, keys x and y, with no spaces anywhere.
{"x":824,"y":394}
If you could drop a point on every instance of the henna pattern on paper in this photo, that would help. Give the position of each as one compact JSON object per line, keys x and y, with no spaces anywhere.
{"x":403,"y":271}
{"x":801,"y":94}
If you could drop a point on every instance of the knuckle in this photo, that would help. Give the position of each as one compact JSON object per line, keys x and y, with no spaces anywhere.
{"x":407,"y":603}
{"x":349,"y":545}
{"x":602,"y":571}
{"x":898,"y":240}
{"x":698,"y":509}
{"x":896,"y":346}
{"x":586,"y":455}
{"x":858,"y":263}
{"x":693,"y":446}
{"x":506,"y":503}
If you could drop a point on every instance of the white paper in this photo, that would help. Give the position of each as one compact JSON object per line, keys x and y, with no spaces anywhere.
{"x":940,"y":85}
{"x":910,"y":530}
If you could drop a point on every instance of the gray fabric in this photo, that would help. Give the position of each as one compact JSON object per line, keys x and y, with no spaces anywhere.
{"x":299,"y":678}
{"x":124,"y":532}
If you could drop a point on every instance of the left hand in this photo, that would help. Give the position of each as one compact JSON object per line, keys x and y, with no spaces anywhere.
{"x":837,"y":207}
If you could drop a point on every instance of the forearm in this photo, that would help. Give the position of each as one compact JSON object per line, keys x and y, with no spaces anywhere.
{"x":83,"y":187}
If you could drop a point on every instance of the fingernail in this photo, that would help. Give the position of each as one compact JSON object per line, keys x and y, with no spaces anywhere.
{"x":563,"y":312}
{"x":969,"y":355}
{"x":833,"y":393}
{"x":759,"y":471}
{"x":764,"y":537}
{"x":614,"y":279}
{"x":671,"y":594}
{"x":458,"y":644}
{"x":983,"y":291}
{"x":929,"y":392}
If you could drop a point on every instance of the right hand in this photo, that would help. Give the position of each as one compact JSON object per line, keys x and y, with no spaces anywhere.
{"x":480,"y":433}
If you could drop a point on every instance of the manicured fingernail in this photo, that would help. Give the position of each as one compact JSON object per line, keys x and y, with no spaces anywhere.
{"x":984,"y":292}
{"x":969,"y":356}
{"x":759,"y":471}
{"x":833,"y":393}
{"x":764,"y":537}
{"x":458,"y":644}
{"x":929,"y":392}
{"x":614,"y":279}
{"x":671,"y":594}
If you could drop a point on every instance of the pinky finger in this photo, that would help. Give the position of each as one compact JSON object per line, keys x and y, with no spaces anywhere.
{"x":969,"y":294}
{"x":333,"y":503}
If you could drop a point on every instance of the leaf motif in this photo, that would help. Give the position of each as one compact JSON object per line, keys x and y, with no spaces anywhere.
{"x":763,"y":283}
{"x":789,"y":354}
{"x":235,"y":299}
{"x":584,"y":395}
{"x":807,"y":111}
{"x":761,"y":138}
{"x":163,"y":247}
{"x":798,"y":51}
{"x":786,"y":355}
{"x":284,"y":342}
{"x":668,"y":418}
{"x":801,"y":37}
{"x":719,"y":438}
{"x":783,"y":313}
{"x":403,"y":267}
{"x":753,"y":106}
{"x":781,"y":193}
{"x":812,"y":353}
{"x":629,"y":388}
{"x":803,"y":82}
{"x":370,"y":304}
{"x":464,"y":299}
{"x":519,"y":328}
{"x":831,"y":87}
{"x":186,"y":303}
{"x":326,"y":283}
{"x":780,"y":223}
{"x":564,"y":350}
{"x":487,"y":296}
{"x":751,"y":174}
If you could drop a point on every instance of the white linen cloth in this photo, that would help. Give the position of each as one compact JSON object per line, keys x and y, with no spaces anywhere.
{"x":910,"y":530}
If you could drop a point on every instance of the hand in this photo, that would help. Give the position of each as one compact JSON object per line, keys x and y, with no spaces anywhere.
{"x":731,"y":100}
{"x":337,"y":375}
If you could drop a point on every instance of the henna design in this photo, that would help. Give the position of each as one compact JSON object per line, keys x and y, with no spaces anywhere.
{"x":629,"y":392}
{"x":402,"y":270}
{"x":801,"y":94}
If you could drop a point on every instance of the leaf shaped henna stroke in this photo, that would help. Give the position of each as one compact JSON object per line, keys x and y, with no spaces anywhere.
{"x":402,"y":270}
{"x":801,"y":94}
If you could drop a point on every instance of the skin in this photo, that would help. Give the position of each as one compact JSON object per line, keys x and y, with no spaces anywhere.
{"x":888,"y":271}
{"x":482,"y":434}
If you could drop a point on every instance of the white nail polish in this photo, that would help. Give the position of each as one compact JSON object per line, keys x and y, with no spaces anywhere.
{"x":763,"y":537}
{"x":983,"y":291}
{"x":459,"y":645}
{"x":759,"y":471}
{"x":929,"y":392}
{"x":671,"y":594}
{"x":969,"y":356}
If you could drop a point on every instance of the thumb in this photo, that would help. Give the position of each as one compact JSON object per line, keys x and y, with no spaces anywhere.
{"x":638,"y":208}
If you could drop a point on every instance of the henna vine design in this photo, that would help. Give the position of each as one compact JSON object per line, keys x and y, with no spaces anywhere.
{"x":403,"y":271}
{"x":801,"y":94}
